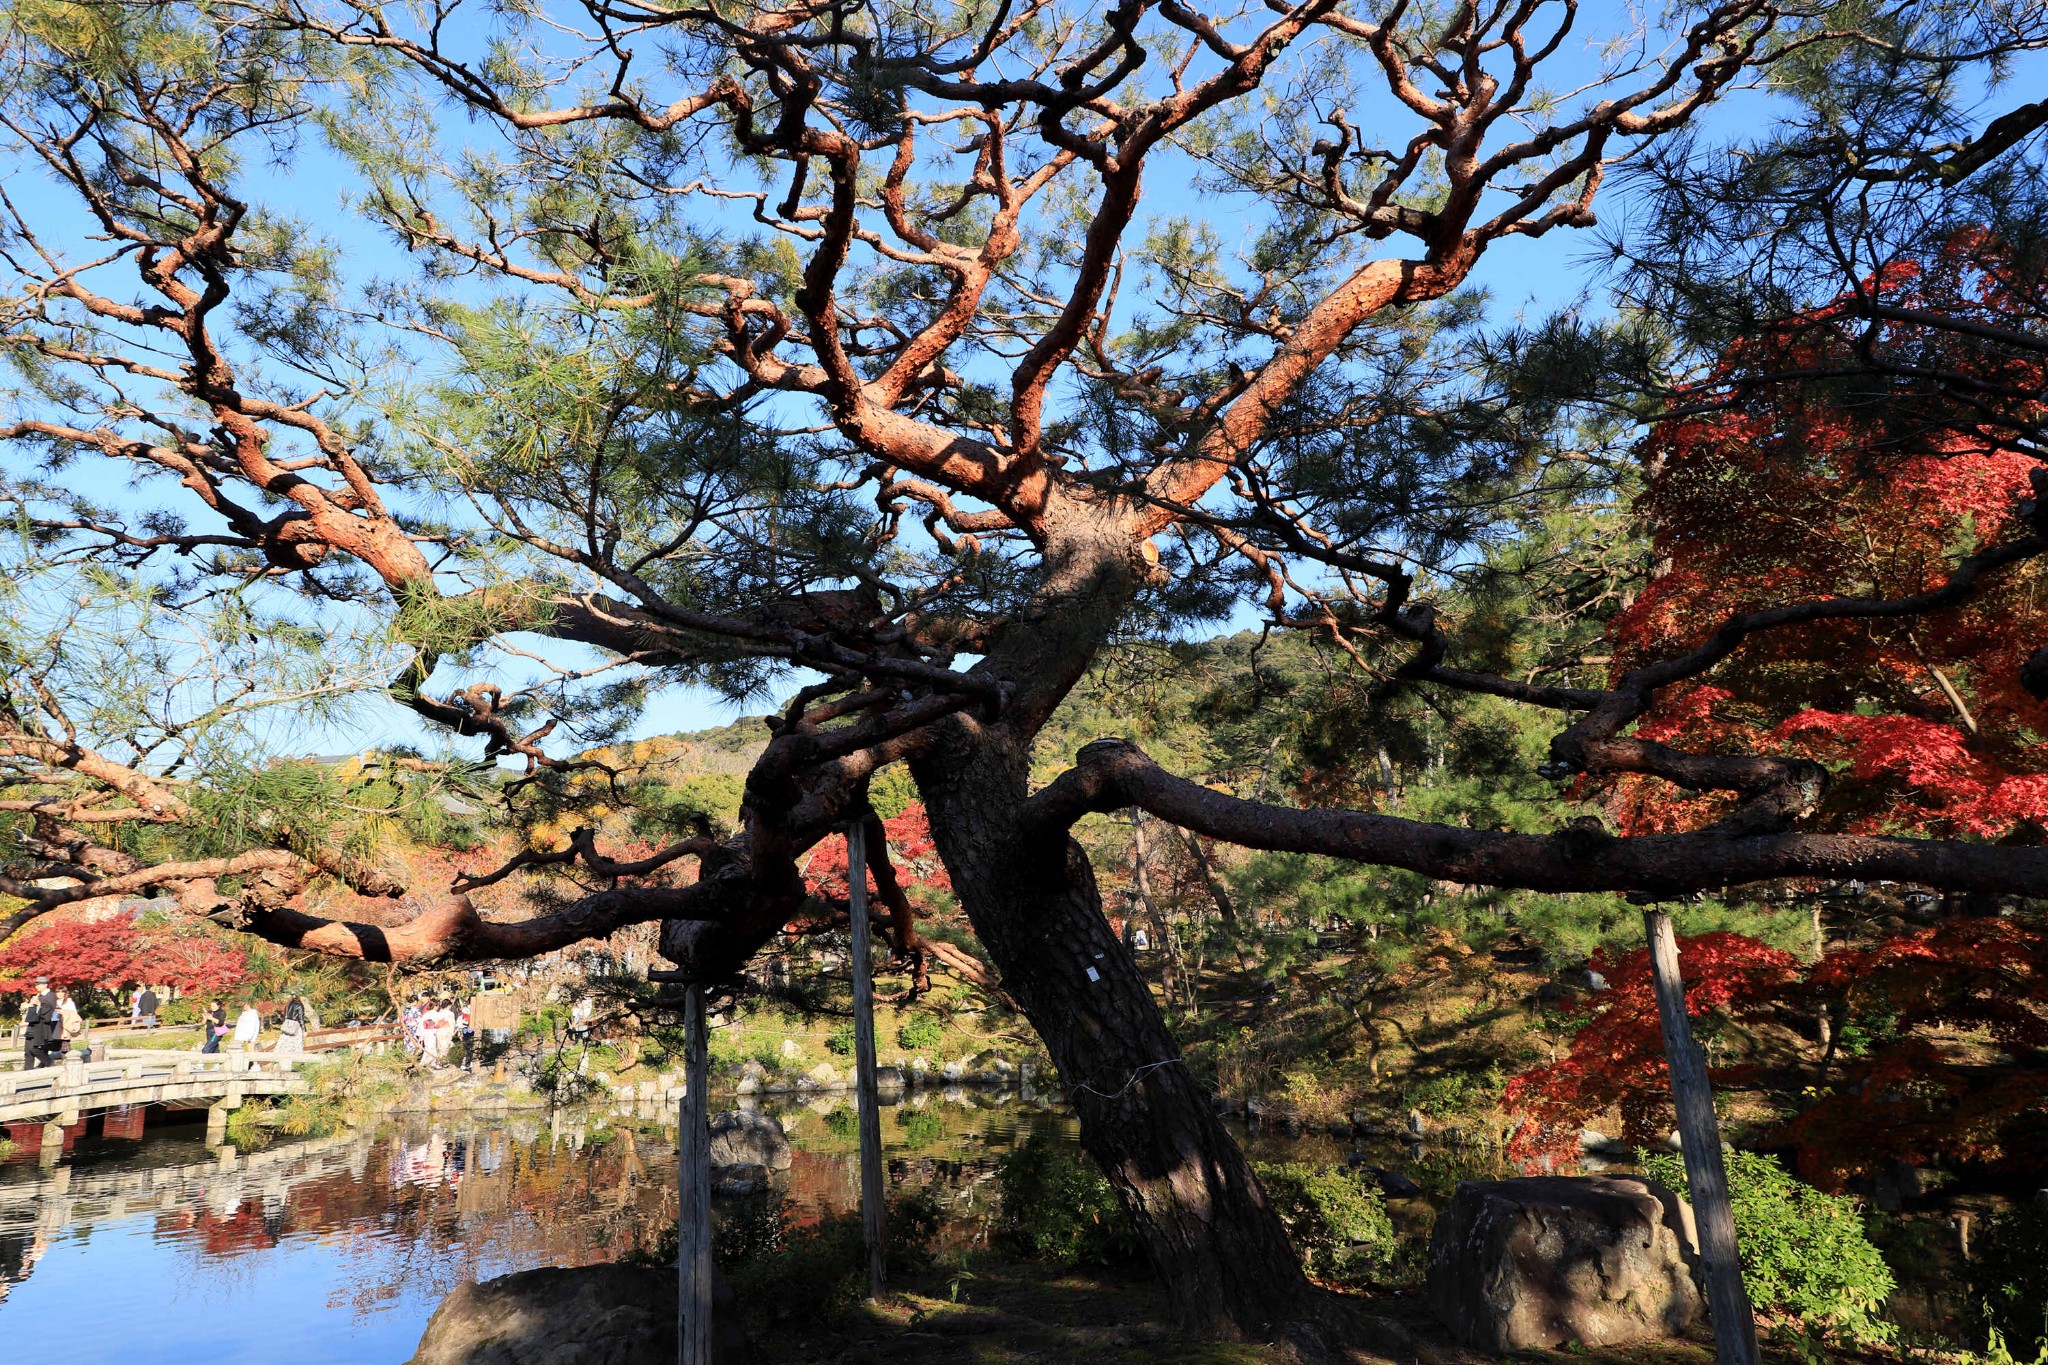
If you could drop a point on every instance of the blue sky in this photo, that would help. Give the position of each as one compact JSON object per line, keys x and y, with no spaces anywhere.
{"x":1522,"y":276}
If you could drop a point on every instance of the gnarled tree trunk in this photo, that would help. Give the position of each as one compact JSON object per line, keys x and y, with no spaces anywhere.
{"x":1215,"y":1242}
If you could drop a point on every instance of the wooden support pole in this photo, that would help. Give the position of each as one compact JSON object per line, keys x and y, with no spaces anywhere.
{"x":874,"y":1211}
{"x":693,"y":1190}
{"x":1705,"y":1170}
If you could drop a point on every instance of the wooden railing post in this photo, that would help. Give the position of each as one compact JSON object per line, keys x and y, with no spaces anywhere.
{"x":874,"y":1210}
{"x":1705,"y":1170}
{"x":693,"y":1189}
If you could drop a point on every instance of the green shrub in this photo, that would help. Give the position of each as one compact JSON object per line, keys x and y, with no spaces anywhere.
{"x":1057,"y":1207}
{"x":915,"y":1217}
{"x":843,"y":1123}
{"x":2008,"y":1279}
{"x":840,"y":1044}
{"x":1804,"y":1253}
{"x":1455,"y":1093}
{"x":813,"y":1274}
{"x":920,"y":1033}
{"x":1337,"y":1223}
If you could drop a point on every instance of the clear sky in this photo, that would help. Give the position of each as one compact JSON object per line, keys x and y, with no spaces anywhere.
{"x":1521,"y":276}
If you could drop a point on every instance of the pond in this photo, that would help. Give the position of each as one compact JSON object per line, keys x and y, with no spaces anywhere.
{"x":338,"y":1249}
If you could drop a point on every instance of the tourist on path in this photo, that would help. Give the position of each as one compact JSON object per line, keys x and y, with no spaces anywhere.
{"x":70,"y":1026}
{"x":49,"y":1023}
{"x":147,"y":1002}
{"x":248,"y":1027}
{"x":135,"y":1008}
{"x":410,"y":1021}
{"x":35,"y":1025}
{"x":438,"y":1027}
{"x":291,"y":1034}
{"x":216,"y":1026}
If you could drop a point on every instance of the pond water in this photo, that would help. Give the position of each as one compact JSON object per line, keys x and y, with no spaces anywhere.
{"x":338,"y":1249}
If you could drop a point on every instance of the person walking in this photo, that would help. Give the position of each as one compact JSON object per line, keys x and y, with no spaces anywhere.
{"x":409,"y":1022}
{"x":248,"y":1027}
{"x":215,"y":1024}
{"x":439,"y":1026}
{"x":135,"y":1008}
{"x":49,"y":1023}
{"x":146,"y":1002}
{"x":31,"y":1029}
{"x":465,"y":1030}
{"x":291,"y":1033}
{"x":71,"y":1028}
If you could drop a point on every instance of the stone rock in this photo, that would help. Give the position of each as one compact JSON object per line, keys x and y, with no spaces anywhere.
{"x":888,"y":1078}
{"x":953,"y":1071}
{"x":1521,"y":1265}
{"x":753,"y":1078}
{"x":824,"y":1075}
{"x":1392,"y":1184}
{"x":1363,"y":1124}
{"x":790,"y":1051}
{"x":1597,"y":1143}
{"x":735,"y":1181}
{"x":748,"y":1137}
{"x":590,"y":1315}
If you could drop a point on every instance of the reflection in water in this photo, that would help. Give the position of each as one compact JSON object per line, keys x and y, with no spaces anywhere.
{"x":338,"y":1249}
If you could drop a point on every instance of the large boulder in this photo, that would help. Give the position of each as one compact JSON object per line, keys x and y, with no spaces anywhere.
{"x":1518,"y":1265}
{"x":748,"y":1137}
{"x":590,"y":1315}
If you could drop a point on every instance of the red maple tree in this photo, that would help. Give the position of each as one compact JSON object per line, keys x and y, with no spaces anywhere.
{"x":109,"y":952}
{"x":1617,"y":1055}
{"x":1789,"y":482}
{"x":1808,"y":489}
{"x":911,"y":850}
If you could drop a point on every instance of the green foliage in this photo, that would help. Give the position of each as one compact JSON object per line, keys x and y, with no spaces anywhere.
{"x":840,"y":1041}
{"x":1805,"y":1254}
{"x":1058,"y":1208}
{"x":920,"y":1033}
{"x":2008,"y":1278}
{"x":1337,"y":1223}
{"x":307,"y":1116}
{"x":247,"y":1127}
{"x":783,"y":1271}
{"x":1454,"y":1093}
{"x":892,"y":792}
{"x":915,"y":1220}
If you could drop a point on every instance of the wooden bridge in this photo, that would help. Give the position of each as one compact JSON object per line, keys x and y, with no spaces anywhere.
{"x":132,"y":1079}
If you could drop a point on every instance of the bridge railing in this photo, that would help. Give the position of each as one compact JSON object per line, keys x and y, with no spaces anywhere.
{"x":129,"y":1067}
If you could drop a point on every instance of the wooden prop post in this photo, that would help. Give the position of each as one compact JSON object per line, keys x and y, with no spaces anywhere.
{"x":873,"y":1211}
{"x":693,"y":1190}
{"x":1705,"y":1171}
